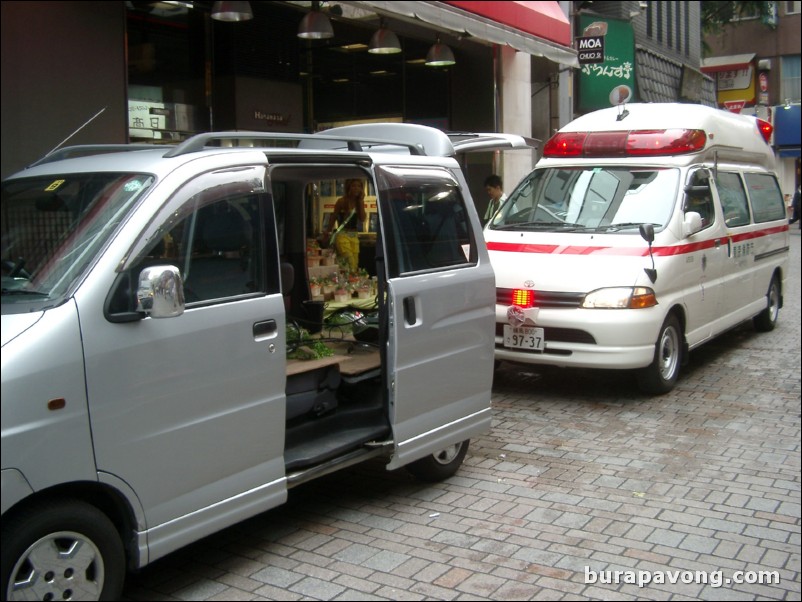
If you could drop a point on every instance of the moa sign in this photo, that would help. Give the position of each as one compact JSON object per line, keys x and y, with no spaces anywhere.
{"x":590,"y":49}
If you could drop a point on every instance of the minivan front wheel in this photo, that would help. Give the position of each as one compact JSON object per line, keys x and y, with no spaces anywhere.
{"x":662,"y":374}
{"x":441,"y":465}
{"x":66,"y":550}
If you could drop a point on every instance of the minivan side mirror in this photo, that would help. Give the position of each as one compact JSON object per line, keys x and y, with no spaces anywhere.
{"x":691,"y":224}
{"x":160,"y":293}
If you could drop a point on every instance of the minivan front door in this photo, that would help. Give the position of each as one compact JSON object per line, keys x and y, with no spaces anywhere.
{"x":188,"y":411}
{"x":441,"y":292}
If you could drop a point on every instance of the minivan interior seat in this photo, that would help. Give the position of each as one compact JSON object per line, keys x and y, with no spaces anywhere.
{"x":221,"y":267}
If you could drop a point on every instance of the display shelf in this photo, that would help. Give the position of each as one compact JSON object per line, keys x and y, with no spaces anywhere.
{"x":323,"y":271}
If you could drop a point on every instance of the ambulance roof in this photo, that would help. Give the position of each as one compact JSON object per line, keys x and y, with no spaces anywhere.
{"x":734,"y":137}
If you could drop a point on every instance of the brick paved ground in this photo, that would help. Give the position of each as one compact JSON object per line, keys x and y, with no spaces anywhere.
{"x":579,"y":471}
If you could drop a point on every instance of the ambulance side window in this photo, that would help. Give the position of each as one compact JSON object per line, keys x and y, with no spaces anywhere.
{"x":767,"y":200}
{"x":733,"y":199}
{"x":700,"y":199}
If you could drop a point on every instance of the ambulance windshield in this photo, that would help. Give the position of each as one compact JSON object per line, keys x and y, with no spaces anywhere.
{"x":597,"y":199}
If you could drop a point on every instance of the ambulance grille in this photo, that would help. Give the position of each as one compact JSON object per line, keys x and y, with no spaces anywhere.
{"x":544,"y":299}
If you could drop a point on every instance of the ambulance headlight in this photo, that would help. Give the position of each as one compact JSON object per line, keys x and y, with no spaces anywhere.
{"x":623,"y":297}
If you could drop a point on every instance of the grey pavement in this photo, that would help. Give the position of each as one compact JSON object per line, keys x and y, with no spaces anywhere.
{"x":583,"y":490}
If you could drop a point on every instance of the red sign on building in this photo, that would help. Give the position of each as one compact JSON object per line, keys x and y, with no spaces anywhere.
{"x":734,"y":105}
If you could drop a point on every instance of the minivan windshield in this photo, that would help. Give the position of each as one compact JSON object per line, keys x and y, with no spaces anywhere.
{"x":53,"y":226}
{"x":590,"y":198}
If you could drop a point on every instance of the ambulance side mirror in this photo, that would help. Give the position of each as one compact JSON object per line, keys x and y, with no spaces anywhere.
{"x":691,"y":224}
{"x":647,"y":233}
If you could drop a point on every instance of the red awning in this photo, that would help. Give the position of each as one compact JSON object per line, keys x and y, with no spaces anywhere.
{"x":543,"y":19}
{"x":536,"y":28}
{"x":733,"y":62}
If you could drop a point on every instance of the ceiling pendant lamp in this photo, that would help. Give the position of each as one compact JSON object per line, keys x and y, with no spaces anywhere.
{"x":439,"y":55}
{"x":384,"y":41}
{"x":232,"y":11}
{"x":315,"y":25}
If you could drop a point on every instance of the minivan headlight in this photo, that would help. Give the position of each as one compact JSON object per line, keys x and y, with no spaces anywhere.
{"x":622,"y":297}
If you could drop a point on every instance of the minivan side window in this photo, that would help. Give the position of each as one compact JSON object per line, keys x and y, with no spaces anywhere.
{"x":733,"y":199}
{"x":429,"y":228}
{"x":221,"y":249}
{"x":213,"y":232}
{"x":767,"y":200}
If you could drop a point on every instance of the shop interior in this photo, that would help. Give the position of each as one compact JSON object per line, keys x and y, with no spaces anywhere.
{"x":189,"y":73}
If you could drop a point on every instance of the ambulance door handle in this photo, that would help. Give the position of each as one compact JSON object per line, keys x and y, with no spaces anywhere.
{"x":409,"y":311}
{"x":718,"y":243}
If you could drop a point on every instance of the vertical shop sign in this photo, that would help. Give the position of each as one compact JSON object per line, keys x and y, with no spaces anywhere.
{"x":763,"y":86}
{"x":611,"y":81}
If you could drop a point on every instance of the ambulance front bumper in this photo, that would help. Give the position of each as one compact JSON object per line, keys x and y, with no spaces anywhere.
{"x":585,"y":338}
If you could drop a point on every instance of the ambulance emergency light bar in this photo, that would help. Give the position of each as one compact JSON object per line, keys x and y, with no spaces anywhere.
{"x":634,"y":143}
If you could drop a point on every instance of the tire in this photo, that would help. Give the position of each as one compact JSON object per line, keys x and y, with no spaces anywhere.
{"x":662,"y":374}
{"x":766,"y":320}
{"x":439,"y":466}
{"x":78,"y":554}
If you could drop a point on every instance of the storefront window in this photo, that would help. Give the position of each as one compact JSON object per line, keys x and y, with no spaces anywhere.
{"x":188,"y":73}
{"x":166,"y":72}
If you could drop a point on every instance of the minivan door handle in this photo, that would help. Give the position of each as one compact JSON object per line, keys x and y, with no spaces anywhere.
{"x":409,"y":311}
{"x":267,"y":329}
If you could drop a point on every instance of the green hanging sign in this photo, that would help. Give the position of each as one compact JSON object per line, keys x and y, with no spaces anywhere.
{"x":611,"y":81}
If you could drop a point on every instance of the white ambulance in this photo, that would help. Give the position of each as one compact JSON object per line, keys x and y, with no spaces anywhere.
{"x":644,"y":231}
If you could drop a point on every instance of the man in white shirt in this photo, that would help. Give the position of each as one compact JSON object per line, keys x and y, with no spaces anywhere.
{"x":493,"y":187}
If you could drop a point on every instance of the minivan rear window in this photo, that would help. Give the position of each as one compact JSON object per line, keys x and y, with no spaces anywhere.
{"x":429,"y":223}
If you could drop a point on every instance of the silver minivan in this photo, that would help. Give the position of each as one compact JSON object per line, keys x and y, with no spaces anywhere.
{"x":148,"y":304}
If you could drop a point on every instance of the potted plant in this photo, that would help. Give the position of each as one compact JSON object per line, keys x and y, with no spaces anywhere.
{"x":341,"y":295}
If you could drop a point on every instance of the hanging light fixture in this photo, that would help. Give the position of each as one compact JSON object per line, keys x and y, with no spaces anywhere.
{"x":315,"y":25}
{"x":232,"y":11}
{"x":439,"y":55}
{"x":384,"y":41}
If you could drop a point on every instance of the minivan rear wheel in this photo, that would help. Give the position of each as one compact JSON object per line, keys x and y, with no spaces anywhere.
{"x":662,"y":374}
{"x":441,"y":465}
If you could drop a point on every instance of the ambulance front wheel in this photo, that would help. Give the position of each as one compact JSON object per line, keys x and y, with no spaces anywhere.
{"x":441,"y":465}
{"x":661,"y":375}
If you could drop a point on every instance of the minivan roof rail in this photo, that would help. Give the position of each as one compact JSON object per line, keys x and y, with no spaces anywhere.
{"x":306,"y":141}
{"x":86,"y":150}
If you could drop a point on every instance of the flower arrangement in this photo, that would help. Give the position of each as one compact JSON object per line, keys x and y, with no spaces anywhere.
{"x":312,"y":246}
{"x":328,"y":285}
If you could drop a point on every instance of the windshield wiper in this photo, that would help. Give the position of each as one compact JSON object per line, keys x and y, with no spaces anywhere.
{"x":537,"y":225}
{"x":19,"y":291}
{"x":624,"y":226}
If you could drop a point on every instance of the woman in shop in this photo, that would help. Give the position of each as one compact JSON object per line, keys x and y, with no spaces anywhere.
{"x":349,"y":216}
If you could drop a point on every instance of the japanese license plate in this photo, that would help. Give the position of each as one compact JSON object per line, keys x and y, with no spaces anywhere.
{"x":527,"y":338}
